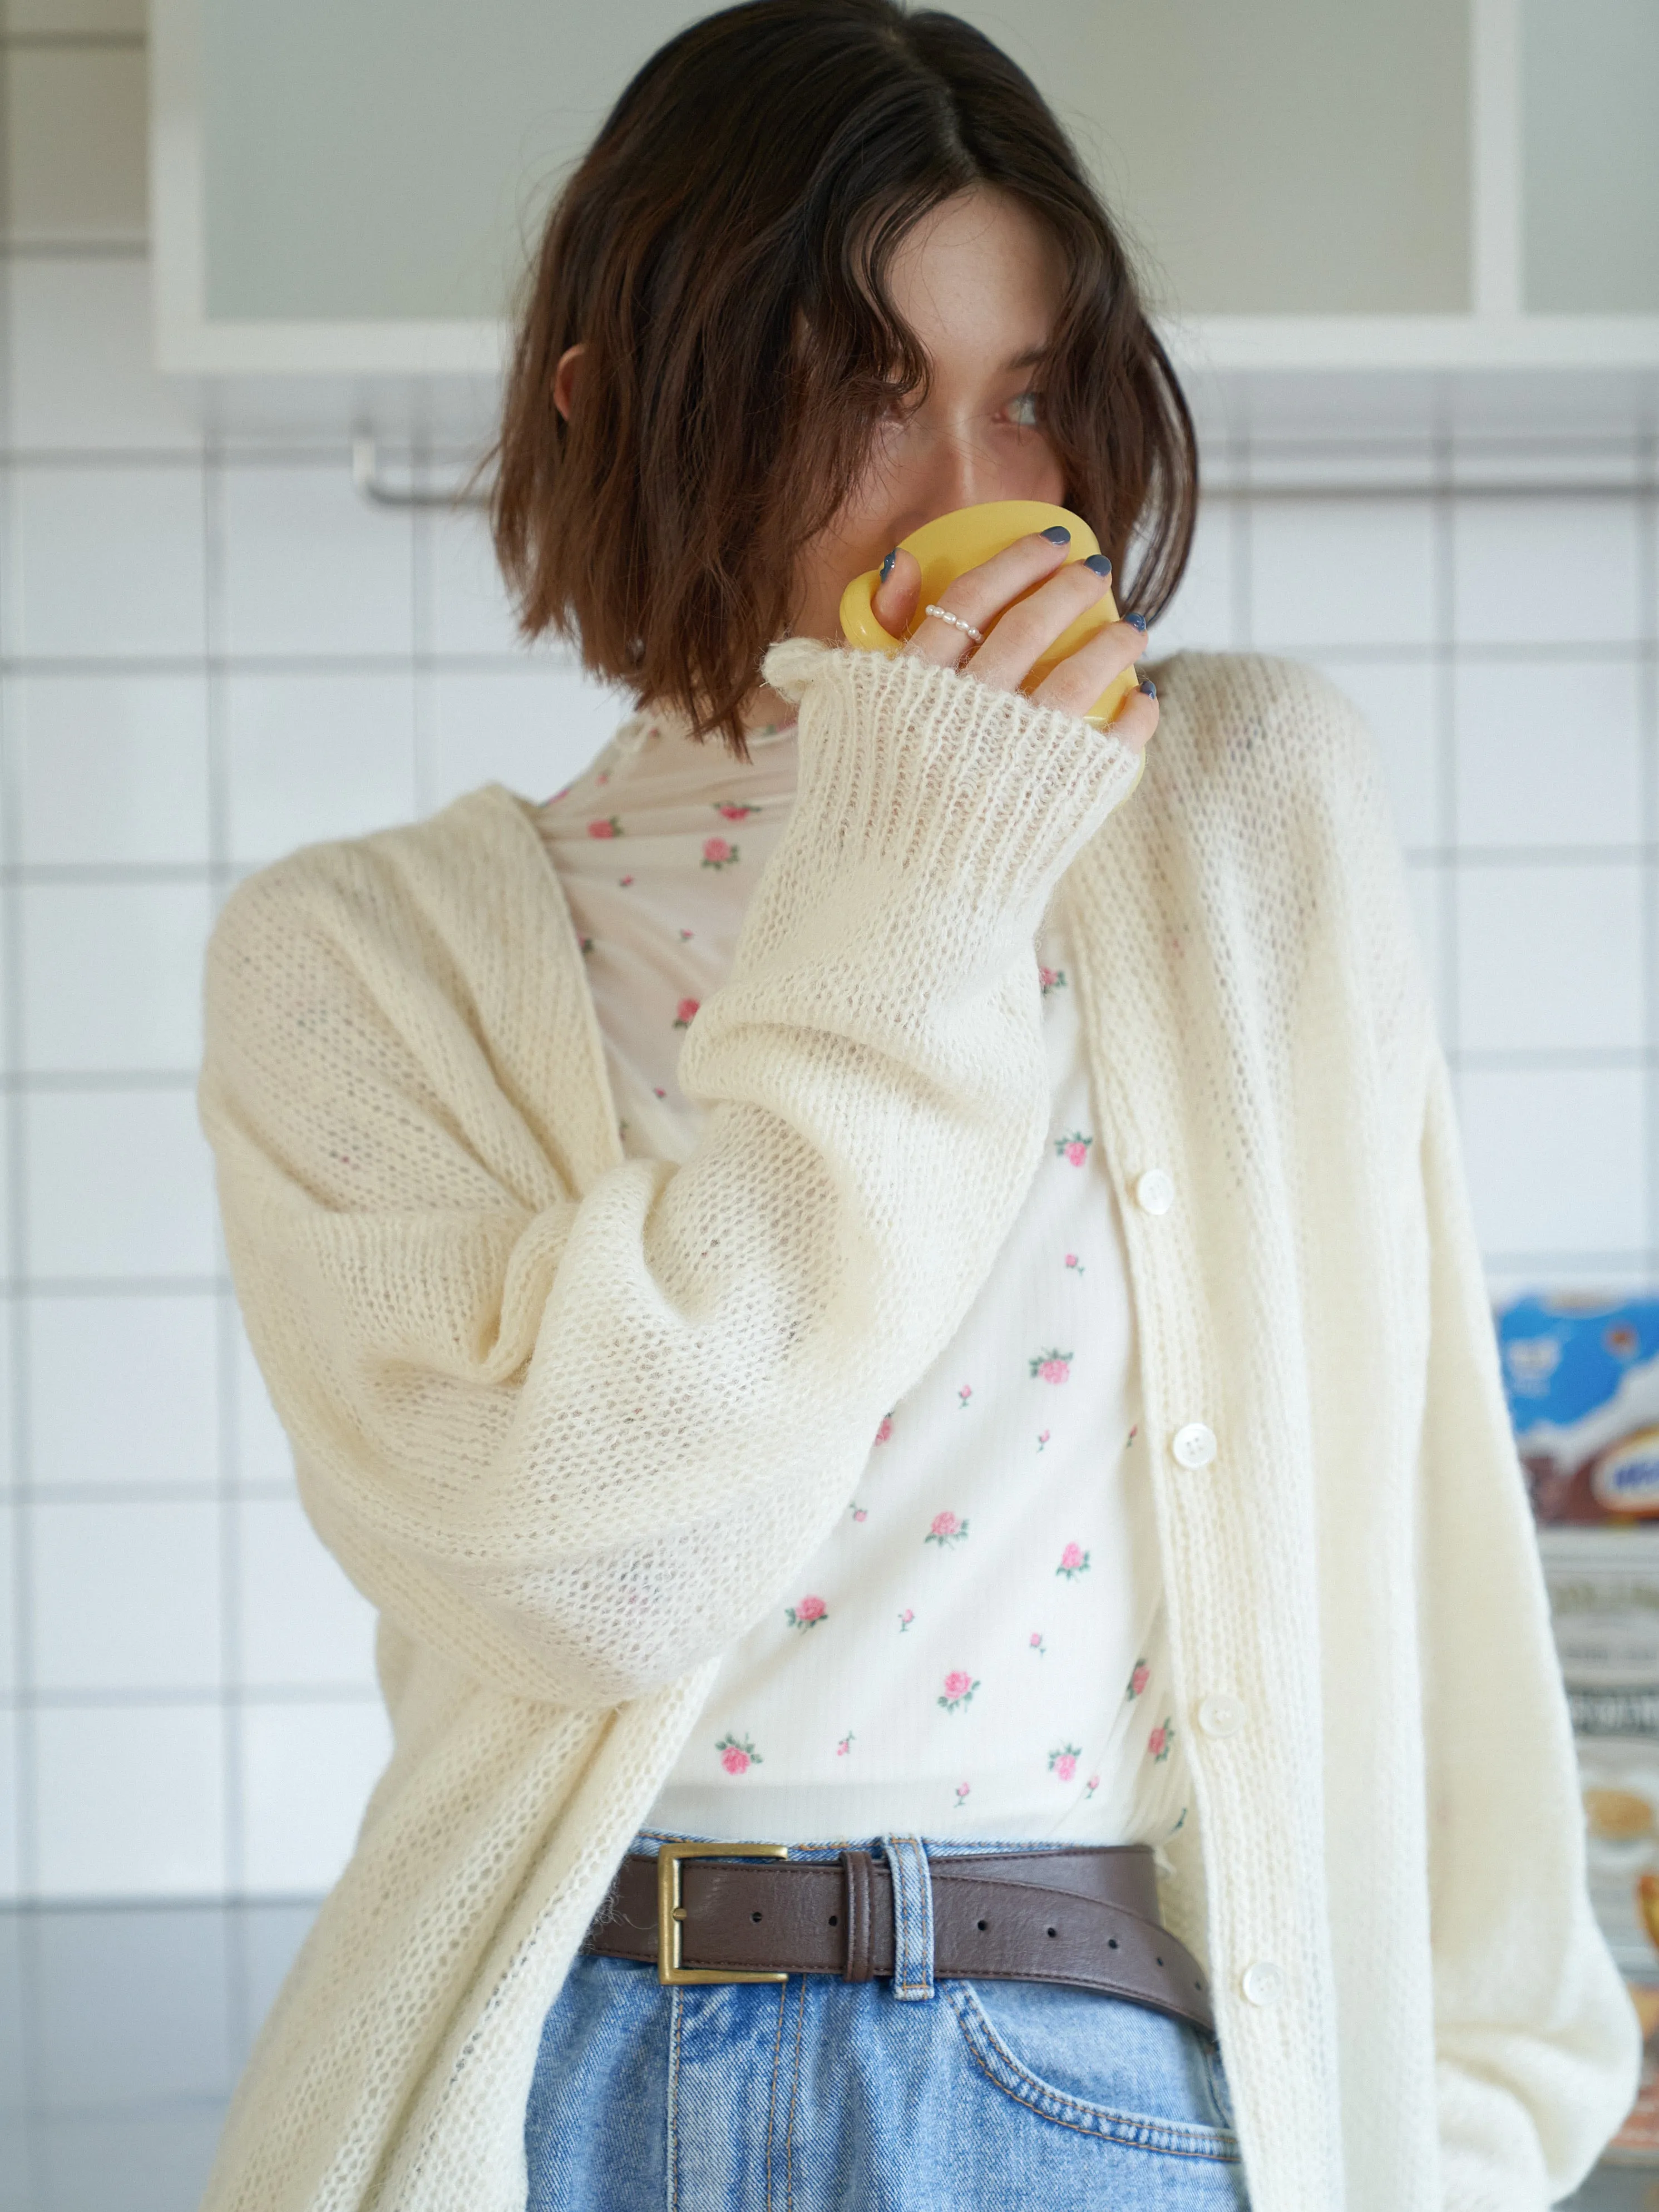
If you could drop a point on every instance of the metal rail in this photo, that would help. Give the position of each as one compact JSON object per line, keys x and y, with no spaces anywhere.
{"x":366,"y":476}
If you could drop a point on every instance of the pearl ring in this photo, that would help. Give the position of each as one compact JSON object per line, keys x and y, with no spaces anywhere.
{"x":956,"y":622}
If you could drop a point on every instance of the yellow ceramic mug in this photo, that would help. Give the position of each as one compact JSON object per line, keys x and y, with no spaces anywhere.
{"x":953,"y":543}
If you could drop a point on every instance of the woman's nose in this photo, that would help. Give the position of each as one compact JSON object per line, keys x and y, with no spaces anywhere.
{"x":962,"y":474}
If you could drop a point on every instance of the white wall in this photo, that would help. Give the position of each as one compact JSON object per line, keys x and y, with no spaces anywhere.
{"x":211,"y":650}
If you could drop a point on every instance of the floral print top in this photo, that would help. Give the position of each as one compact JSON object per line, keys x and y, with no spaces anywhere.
{"x":978,"y":1650}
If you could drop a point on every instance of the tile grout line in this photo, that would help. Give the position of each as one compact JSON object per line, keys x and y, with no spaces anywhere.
{"x":1443,"y":591}
{"x":1241,"y":568}
{"x":24,"y":1762}
{"x":231,"y":1715}
{"x":1646,"y":523}
{"x":238,"y":1971}
{"x":422,"y":634}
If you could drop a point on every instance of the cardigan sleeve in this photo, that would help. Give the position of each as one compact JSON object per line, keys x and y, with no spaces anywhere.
{"x":577,"y":1439}
{"x":1537,"y":2044}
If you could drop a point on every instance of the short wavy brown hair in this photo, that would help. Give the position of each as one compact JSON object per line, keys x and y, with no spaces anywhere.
{"x":721,"y":253}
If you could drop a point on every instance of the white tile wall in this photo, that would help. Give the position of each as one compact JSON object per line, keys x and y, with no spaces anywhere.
{"x":107,"y":562}
{"x":310,"y":568}
{"x":150,"y":1425}
{"x":211,"y":652}
{"x":309,"y":1771}
{"x":1550,"y":753}
{"x":104,"y":771}
{"x":125,"y":1799}
{"x":311,"y":756}
{"x":127,"y":1593}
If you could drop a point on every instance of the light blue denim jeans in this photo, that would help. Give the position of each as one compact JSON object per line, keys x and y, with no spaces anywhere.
{"x":902,"y":2095}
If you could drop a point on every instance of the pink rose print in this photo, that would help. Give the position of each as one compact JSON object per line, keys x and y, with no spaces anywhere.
{"x":558,"y":795}
{"x":807,"y":1613}
{"x":963,"y":1788}
{"x":737,"y":1757}
{"x":905,"y":1619}
{"x":1051,"y":979}
{"x":1138,"y":1681}
{"x":1132,"y":1434}
{"x":1051,"y":1366}
{"x":946,"y":1530}
{"x":1062,"y":1762}
{"x":965,"y":1394}
{"x":1042,"y":1439}
{"x":1158,"y":1742}
{"x":587,"y":945}
{"x":734,"y":810}
{"x":845,"y":1745}
{"x":886,"y":1430}
{"x":958,"y":1689}
{"x":684,"y":1013}
{"x":660,"y":1092}
{"x":1075,"y":1264}
{"x":1074,"y":1148}
{"x":1037,"y":1643}
{"x":717,"y":853}
{"x":860,"y":1512}
{"x":603,"y":776}
{"x":609,"y":828}
{"x":624,"y":881}
{"x":1074,"y":1560}
{"x":686,"y":937}
{"x":1090,"y":1787}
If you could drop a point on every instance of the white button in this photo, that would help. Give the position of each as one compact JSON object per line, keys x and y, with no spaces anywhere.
{"x":1220,"y":1714}
{"x":1194,"y":1445}
{"x":1154,"y":1191}
{"x":1263,"y":1983}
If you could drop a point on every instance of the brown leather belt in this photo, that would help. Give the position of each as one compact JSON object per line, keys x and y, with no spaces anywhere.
{"x":1086,"y":1917}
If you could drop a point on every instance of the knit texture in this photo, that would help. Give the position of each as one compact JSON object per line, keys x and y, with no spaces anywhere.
{"x":572,"y":1421}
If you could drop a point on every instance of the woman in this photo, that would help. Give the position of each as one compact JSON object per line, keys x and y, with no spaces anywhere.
{"x":1155,"y":1729}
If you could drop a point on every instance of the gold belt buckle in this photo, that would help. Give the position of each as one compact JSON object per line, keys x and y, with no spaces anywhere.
{"x":671,"y":1912}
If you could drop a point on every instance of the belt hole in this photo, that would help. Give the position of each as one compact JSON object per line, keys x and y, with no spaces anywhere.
{"x":833,"y":1920}
{"x":1160,"y":1962}
{"x":755,"y":1916}
{"x":1111,"y":1942}
{"x":1054,"y":1931}
{"x":984,"y":1923}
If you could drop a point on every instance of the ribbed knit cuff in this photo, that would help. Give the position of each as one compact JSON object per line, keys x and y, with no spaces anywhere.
{"x":945,"y":777}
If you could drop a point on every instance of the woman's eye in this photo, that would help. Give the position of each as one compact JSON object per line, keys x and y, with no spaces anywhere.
{"x":1024,"y":411}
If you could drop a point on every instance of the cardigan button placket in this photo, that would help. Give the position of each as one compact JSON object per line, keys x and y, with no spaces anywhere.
{"x":1219,"y":1715}
{"x":1154,"y":1191}
{"x":1263,"y":1983}
{"x":1194,"y":1445}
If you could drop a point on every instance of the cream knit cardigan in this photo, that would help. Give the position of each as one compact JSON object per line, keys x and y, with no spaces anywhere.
{"x":572,"y":1421}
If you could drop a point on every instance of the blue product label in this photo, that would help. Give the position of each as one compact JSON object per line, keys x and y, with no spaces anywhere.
{"x":1564,"y":1357}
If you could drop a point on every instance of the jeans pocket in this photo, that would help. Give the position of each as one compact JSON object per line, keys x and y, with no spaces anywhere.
{"x":1102,"y":2064}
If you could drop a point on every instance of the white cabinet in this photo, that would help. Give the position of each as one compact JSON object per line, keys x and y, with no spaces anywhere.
{"x":353,"y":185}
{"x":1589,"y":157}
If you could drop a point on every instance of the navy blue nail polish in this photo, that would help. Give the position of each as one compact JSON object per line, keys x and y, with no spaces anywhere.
{"x":1057,"y":534}
{"x":1136,"y":621}
{"x":1099,"y":563}
{"x":887,"y":565}
{"x":1149,"y":686}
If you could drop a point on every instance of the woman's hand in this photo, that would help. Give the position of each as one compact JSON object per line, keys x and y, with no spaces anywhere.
{"x":1023,"y":634}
